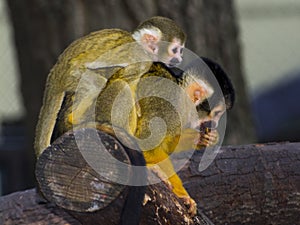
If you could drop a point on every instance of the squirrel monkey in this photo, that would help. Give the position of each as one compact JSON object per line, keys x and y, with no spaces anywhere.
{"x":210,"y":106}
{"x":95,"y":58}
{"x":200,"y":91}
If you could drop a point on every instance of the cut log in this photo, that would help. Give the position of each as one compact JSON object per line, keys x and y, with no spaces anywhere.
{"x":66,"y":178}
{"x":76,"y":175}
{"x":252,"y":184}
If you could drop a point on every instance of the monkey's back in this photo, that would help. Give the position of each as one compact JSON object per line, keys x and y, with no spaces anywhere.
{"x":159,"y":102}
{"x":67,"y":72}
{"x":87,"y":50}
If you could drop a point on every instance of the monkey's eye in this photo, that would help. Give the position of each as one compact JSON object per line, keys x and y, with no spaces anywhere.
{"x":174,"y":50}
{"x":217,"y":113}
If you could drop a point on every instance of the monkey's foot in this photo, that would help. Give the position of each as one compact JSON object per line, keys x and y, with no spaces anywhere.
{"x":70,"y":118}
{"x":191,"y":204}
{"x":76,"y":116}
{"x":161,"y":175}
{"x":73,"y":120}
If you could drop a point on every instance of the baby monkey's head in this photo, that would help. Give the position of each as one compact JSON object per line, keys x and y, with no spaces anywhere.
{"x":162,"y":39}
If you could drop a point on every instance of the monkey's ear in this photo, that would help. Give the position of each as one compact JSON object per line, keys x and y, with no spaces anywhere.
{"x":150,"y":43}
{"x":149,"y":38}
{"x":198,"y":91}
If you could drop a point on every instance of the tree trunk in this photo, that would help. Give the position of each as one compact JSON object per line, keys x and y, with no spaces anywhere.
{"x":252,"y":184}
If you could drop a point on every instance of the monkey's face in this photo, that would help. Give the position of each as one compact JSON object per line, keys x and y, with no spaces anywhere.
{"x":174,"y":53}
{"x":159,"y":47}
{"x":209,"y":118}
{"x":209,"y":111}
{"x":212,"y":94}
{"x":170,"y":53}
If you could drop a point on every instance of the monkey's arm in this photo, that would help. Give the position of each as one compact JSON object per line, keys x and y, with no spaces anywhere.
{"x":192,"y":139}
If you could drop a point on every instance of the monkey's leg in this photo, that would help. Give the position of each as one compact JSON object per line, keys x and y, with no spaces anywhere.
{"x":178,"y":188}
{"x":160,"y":174}
{"x":88,"y":89}
{"x":187,"y":140}
{"x":80,"y":109}
{"x":161,"y":158}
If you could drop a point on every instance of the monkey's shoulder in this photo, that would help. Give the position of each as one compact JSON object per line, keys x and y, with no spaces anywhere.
{"x":160,"y":69}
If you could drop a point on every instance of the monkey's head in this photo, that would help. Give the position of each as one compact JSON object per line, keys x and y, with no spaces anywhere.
{"x":162,"y":38}
{"x":212,"y":96}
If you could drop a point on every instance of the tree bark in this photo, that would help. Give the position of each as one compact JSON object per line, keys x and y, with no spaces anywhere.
{"x":251,"y":184}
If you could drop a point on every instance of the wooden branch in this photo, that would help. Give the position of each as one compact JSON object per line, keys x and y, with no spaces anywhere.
{"x":253,"y":184}
{"x":250,"y":184}
{"x":27,"y":207}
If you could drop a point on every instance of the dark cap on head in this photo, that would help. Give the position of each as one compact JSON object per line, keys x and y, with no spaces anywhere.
{"x":167,"y":26}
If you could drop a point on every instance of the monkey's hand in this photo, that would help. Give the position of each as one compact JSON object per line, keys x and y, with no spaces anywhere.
{"x":208,"y":138}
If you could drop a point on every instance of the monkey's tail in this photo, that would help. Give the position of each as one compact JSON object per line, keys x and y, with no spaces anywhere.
{"x":133,"y":205}
{"x":46,"y":121}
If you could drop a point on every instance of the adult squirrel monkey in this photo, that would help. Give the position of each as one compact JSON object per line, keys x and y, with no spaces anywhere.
{"x":95,"y":58}
{"x":210,"y":94}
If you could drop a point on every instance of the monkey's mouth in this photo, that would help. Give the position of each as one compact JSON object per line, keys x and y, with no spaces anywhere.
{"x":173,"y":64}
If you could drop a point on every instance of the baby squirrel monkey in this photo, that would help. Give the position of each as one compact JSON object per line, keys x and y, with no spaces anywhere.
{"x":210,"y":105}
{"x":90,"y":57}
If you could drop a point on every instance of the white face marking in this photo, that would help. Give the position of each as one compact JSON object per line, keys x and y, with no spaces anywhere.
{"x":140,"y":34}
{"x":197,"y":89}
{"x":149,"y":39}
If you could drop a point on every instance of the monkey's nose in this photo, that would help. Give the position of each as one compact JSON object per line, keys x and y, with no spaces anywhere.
{"x":174,"y":61}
